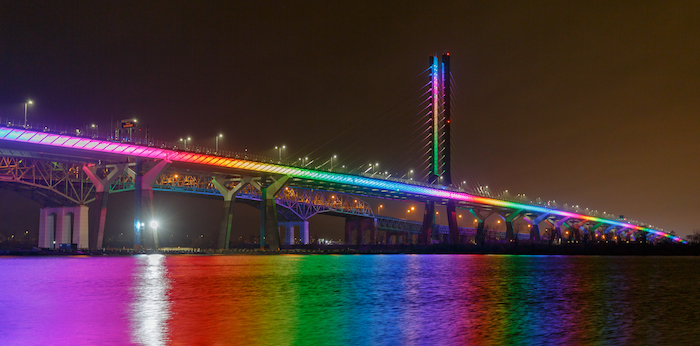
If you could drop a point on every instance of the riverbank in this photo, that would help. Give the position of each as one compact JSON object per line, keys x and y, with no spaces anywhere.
{"x":609,"y":249}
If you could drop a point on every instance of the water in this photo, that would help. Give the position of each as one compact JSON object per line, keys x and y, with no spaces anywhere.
{"x":350,"y":300}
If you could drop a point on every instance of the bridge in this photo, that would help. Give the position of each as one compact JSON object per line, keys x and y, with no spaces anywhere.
{"x":80,"y":170}
{"x":65,"y":171}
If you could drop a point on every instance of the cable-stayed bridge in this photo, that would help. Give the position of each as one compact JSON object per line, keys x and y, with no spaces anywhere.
{"x":76,"y":170}
{"x":69,"y":170}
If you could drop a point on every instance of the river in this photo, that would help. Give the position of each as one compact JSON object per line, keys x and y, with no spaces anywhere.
{"x":349,"y":300}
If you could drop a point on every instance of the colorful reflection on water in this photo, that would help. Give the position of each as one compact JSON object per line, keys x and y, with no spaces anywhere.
{"x":349,"y":300}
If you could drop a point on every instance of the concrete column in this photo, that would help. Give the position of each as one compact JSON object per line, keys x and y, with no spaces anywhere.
{"x":558,"y":226}
{"x":224,"y":238}
{"x":480,"y":217}
{"x":269,"y":231}
{"x":509,"y":218}
{"x":535,"y":226}
{"x":577,"y":229}
{"x":304,"y":231}
{"x":607,"y":232}
{"x":98,"y":215}
{"x":143,"y":181}
{"x":348,"y":231}
{"x":81,"y":231}
{"x":452,"y":222}
{"x":47,"y":228}
{"x":371,"y":225}
{"x":428,"y":222}
{"x":288,"y":232}
{"x":63,"y":225}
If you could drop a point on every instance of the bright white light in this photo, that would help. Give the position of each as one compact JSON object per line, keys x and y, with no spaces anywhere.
{"x":154,"y":224}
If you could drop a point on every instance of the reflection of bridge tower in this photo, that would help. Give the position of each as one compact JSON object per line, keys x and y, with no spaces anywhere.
{"x":440,"y":152}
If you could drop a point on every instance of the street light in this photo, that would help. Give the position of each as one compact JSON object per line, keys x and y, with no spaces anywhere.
{"x":29,"y":102}
{"x":333,"y":157}
{"x":380,"y":209}
{"x":217,"y":142}
{"x":280,"y":152}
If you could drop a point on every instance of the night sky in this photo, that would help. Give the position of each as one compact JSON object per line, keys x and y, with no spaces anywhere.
{"x":587,"y":103}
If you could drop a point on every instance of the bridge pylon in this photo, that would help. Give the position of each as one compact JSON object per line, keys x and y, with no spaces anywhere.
{"x":269,"y":228}
{"x":143,"y":196}
{"x":98,"y":216}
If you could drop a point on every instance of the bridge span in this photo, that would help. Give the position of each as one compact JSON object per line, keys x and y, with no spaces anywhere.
{"x":105,"y":162}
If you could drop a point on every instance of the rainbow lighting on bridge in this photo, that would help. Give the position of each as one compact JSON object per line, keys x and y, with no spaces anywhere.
{"x":72,"y":142}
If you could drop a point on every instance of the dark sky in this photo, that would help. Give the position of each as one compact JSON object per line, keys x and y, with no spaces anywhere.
{"x":588,"y":103}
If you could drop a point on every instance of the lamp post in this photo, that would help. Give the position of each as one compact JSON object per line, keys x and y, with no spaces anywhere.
{"x":280,"y":152}
{"x":333,"y":157}
{"x":217,"y":142}
{"x":29,"y":102}
{"x":380,"y":209}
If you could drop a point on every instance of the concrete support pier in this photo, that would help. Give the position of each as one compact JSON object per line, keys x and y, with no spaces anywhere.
{"x":63,"y":225}
{"x":426,"y":236}
{"x":481,"y":217}
{"x":302,"y":226}
{"x":224,"y":238}
{"x":360,"y":225}
{"x":143,"y":196}
{"x":269,"y":229}
{"x":98,"y":215}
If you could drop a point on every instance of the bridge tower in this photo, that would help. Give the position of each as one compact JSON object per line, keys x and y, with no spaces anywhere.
{"x":440,"y":167}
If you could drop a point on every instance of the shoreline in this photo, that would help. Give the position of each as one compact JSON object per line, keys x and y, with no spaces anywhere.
{"x":622,"y":249}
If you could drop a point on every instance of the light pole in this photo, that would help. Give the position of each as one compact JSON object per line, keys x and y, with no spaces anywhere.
{"x":29,"y":102}
{"x":410,"y":175}
{"x":95,"y":128}
{"x":380,"y":209}
{"x":217,"y":142}
{"x":333,"y":157}
{"x":280,"y":152}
